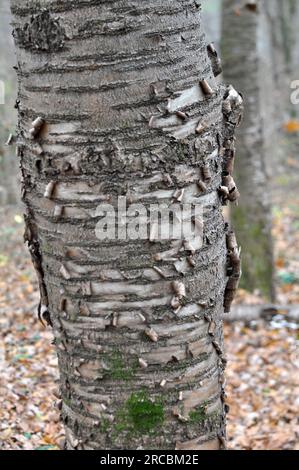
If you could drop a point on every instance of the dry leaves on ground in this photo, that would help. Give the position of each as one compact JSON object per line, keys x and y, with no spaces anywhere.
{"x":262,"y":375}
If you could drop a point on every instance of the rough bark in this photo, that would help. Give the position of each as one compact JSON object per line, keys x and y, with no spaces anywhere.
{"x":137,"y":324}
{"x":247,"y":57}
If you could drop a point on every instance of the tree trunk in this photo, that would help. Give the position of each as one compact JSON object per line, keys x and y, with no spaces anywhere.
{"x":247,"y":57}
{"x":122,"y":90}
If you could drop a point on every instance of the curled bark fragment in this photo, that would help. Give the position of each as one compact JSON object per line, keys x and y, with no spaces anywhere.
{"x":37,"y":149}
{"x":179,"y":194}
{"x":226,"y":107}
{"x":175,"y":303}
{"x":232,"y":106}
{"x":115,"y":319}
{"x":206,"y":173}
{"x":202,"y":186}
{"x":223,"y":445}
{"x":212,"y":328}
{"x":142,"y":317}
{"x":218,"y":348}
{"x":152,"y":334}
{"x":31,"y":238}
{"x":252,"y":5}
{"x":167,"y":179}
{"x":189,"y":247}
{"x":62,"y":304}
{"x":206,"y":88}
{"x":58,"y":211}
{"x":143,"y":364}
{"x":44,"y":315}
{"x":86,"y":288}
{"x":229,"y":159}
{"x":182,"y":115}
{"x":222,"y":379}
{"x":234,"y":270}
{"x":180,"y":417}
{"x":215,"y":60}
{"x":10,"y":140}
{"x":201,"y":127}
{"x":37,"y":126}
{"x":229,"y":183}
{"x":151,"y":121}
{"x":160,"y":272}
{"x":231,"y":241}
{"x":64,"y":272}
{"x":179,"y":289}
{"x":191,"y":261}
{"x":223,"y":190}
{"x":50,"y":190}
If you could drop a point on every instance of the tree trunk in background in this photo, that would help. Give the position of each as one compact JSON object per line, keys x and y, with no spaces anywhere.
{"x":211,"y":14}
{"x":247,"y":58}
{"x":137,"y":324}
{"x":293,"y":17}
{"x":282,"y":20}
{"x":8,"y":116}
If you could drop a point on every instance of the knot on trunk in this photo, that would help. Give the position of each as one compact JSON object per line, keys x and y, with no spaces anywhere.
{"x":41,"y":33}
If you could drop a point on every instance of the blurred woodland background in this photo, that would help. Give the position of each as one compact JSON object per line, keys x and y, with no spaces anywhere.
{"x":259,"y":46}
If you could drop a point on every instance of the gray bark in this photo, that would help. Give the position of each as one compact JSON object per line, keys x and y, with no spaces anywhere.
{"x":247,"y":57}
{"x":137,"y":324}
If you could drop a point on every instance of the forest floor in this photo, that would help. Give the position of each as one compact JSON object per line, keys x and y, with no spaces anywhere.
{"x":262,"y":373}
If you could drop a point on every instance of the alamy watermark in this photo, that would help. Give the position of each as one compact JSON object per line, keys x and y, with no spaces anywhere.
{"x":152,"y":222}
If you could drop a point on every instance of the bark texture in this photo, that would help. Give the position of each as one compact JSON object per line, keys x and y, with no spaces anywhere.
{"x":247,"y":51}
{"x":124,"y":111}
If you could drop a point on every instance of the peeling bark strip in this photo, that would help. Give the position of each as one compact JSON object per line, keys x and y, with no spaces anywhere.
{"x":31,"y":238}
{"x":234,"y":271}
{"x":215,"y":60}
{"x":125,"y":107}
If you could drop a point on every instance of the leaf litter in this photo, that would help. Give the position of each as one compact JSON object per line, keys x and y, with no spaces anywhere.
{"x":262,"y":374}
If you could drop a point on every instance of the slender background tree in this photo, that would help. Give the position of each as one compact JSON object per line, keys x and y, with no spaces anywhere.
{"x":248,"y":58}
{"x":8,"y":162}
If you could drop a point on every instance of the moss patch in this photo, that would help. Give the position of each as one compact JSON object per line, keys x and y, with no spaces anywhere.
{"x":104,"y":425}
{"x":140,"y":414}
{"x":118,"y":369}
{"x":198,"y":415}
